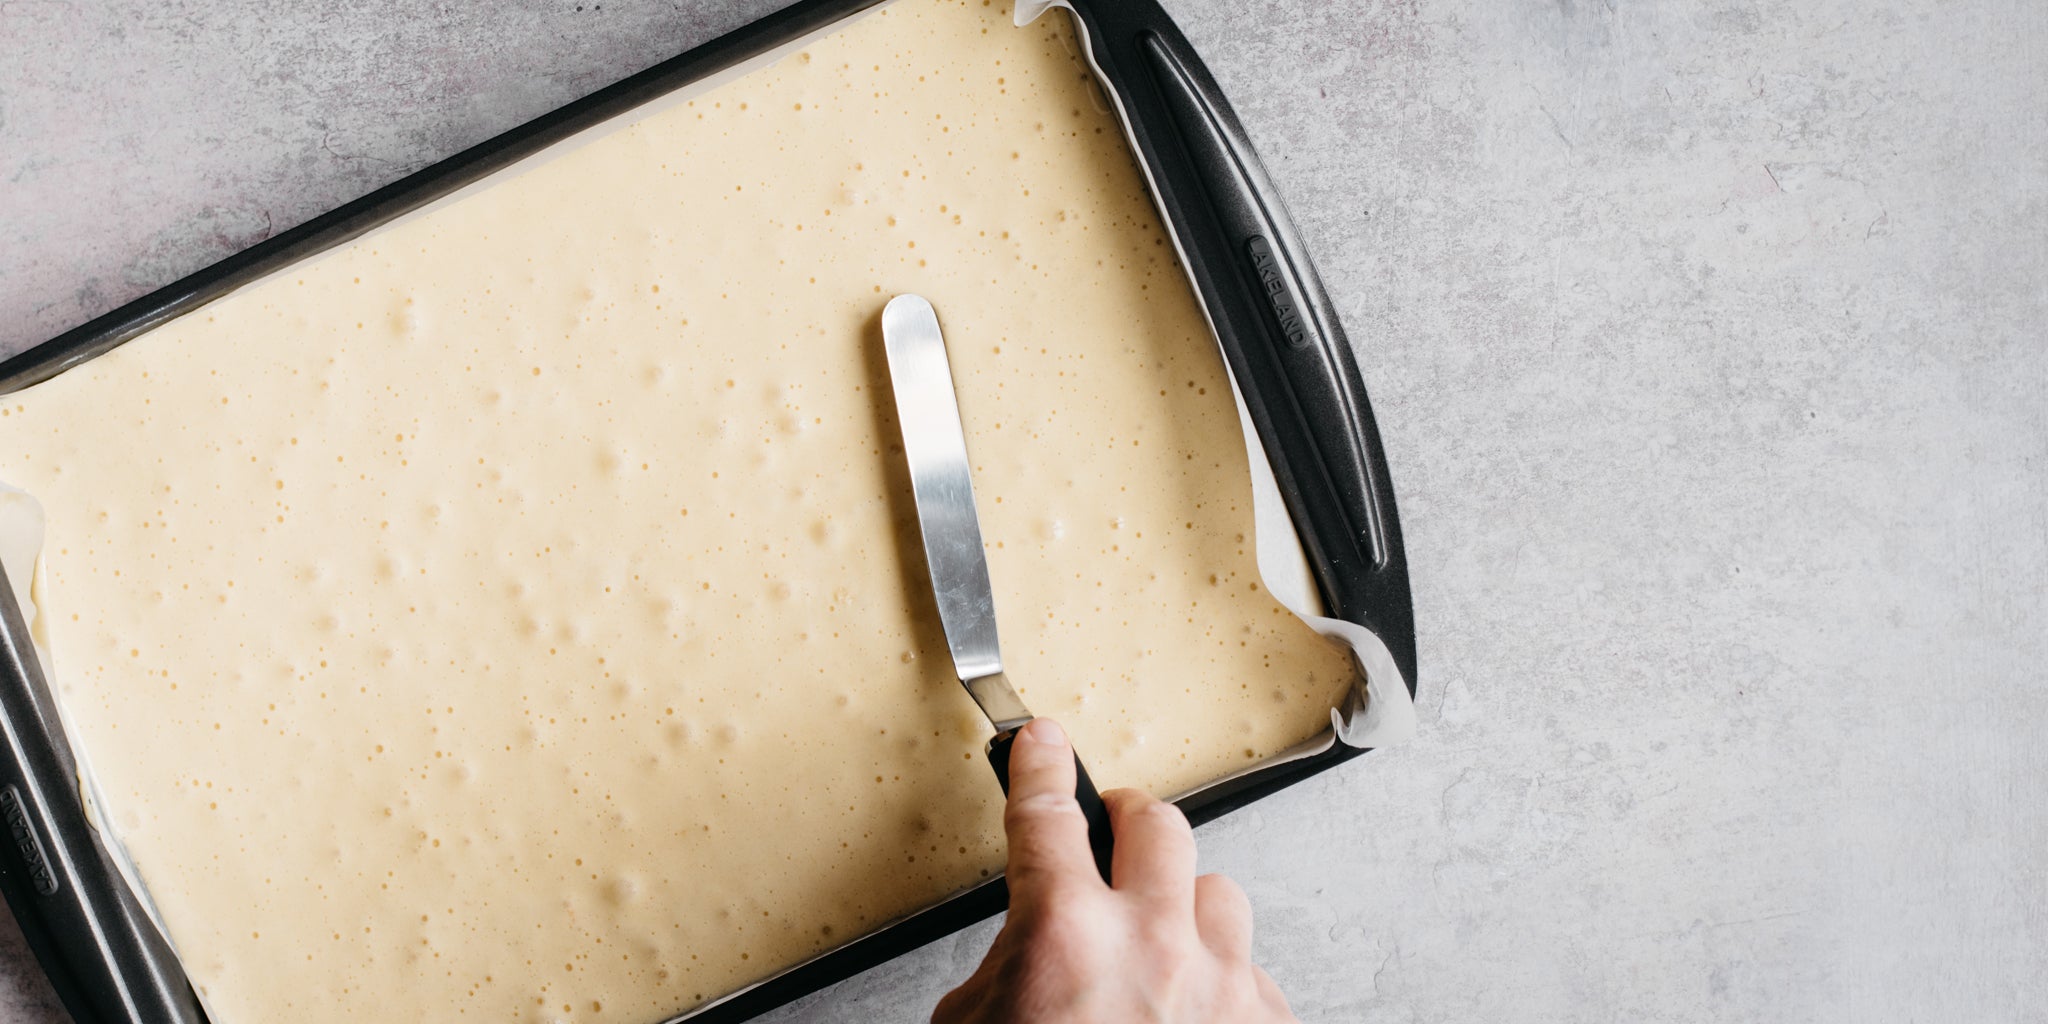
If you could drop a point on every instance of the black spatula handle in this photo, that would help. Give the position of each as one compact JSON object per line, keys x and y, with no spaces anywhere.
{"x":1099,"y":839}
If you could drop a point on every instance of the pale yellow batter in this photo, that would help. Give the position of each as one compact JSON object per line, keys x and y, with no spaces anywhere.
{"x":515,"y":615}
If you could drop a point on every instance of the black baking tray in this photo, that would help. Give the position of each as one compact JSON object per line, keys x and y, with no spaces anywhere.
{"x":1278,"y":331}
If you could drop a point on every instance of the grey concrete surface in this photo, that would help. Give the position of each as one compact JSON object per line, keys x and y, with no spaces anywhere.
{"x":1707,"y":342}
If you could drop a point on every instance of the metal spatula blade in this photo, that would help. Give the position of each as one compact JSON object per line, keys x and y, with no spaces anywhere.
{"x":935,"y":446}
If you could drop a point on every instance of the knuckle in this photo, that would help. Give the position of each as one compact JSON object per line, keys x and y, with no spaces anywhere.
{"x":1223,"y":893}
{"x":1033,"y":873}
{"x":1142,"y":811}
{"x":1040,"y":807}
{"x":1166,"y":814}
{"x":1124,"y":795}
{"x":1177,"y":964}
{"x":1171,"y":940}
{"x":1066,"y":938}
{"x":1056,"y":929}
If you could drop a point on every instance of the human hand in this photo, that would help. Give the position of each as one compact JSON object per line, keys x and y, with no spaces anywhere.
{"x":1160,"y":946}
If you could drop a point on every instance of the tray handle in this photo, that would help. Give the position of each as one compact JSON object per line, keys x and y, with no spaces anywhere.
{"x":1278,"y":329}
{"x":104,"y":956}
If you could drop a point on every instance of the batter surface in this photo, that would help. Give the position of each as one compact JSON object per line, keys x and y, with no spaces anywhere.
{"x":516,"y":614}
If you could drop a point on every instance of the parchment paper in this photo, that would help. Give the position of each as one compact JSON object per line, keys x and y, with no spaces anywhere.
{"x":1377,"y":712}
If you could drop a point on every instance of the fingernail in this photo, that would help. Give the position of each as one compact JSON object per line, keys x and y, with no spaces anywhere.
{"x":1046,"y":731}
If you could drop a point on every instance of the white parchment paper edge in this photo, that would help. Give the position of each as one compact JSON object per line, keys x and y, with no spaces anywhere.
{"x":21,"y":545}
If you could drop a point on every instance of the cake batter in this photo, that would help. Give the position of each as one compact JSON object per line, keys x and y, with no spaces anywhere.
{"x":514,"y":614}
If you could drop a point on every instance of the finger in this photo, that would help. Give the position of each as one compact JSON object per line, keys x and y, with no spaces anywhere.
{"x":961,"y":1005}
{"x":1223,"y":917}
{"x":1155,"y":849}
{"x":1048,"y":836}
{"x":1270,"y":994}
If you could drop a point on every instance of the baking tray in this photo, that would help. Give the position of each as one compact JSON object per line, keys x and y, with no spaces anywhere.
{"x":1288,"y":355}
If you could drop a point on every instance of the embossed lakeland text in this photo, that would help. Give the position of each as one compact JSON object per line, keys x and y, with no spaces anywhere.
{"x":25,"y":841}
{"x":1267,"y":264}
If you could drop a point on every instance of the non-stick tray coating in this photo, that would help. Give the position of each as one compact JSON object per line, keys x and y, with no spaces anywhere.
{"x":1279,"y":333}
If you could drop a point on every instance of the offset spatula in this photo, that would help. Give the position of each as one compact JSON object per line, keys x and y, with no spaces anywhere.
{"x":936,"y":448}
